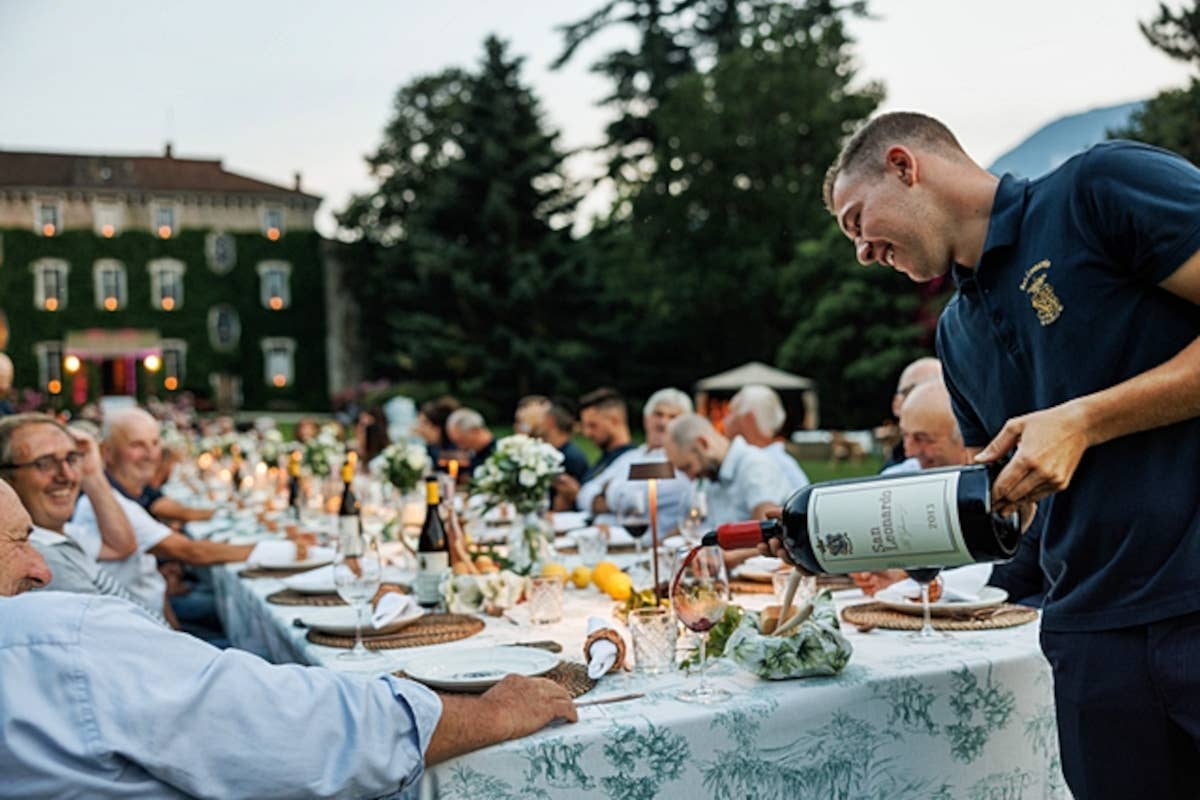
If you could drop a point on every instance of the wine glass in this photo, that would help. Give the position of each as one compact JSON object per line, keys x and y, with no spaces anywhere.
{"x":632,"y":516}
{"x":692,"y":525}
{"x":927,"y":633}
{"x":700,"y":595}
{"x":357,"y":573}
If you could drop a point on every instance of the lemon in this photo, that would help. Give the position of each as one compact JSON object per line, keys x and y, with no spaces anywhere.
{"x":620,"y":586}
{"x":601,"y":571}
{"x":554,"y":570}
{"x":581,"y":576}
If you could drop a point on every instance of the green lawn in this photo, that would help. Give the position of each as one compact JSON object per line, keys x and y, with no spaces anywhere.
{"x":818,"y":471}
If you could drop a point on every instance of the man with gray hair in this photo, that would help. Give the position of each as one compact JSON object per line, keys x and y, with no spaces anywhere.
{"x":469,"y":432}
{"x":923,"y":370}
{"x":757,"y":415}
{"x":744,"y":482}
{"x":611,"y":490}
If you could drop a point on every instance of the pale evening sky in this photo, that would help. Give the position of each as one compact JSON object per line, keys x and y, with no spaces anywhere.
{"x":272,"y":87}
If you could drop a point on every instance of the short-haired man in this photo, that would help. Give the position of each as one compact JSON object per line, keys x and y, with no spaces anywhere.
{"x":744,"y":482}
{"x":48,"y":465}
{"x":925,"y":368}
{"x":757,"y":415}
{"x":604,"y":420}
{"x":530,"y":410}
{"x":469,"y":432}
{"x":98,"y":699}
{"x":556,"y":427}
{"x":1074,"y":337}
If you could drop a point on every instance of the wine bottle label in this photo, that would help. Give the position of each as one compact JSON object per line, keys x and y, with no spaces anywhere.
{"x":431,"y":568}
{"x":349,"y":539}
{"x":888,"y":524}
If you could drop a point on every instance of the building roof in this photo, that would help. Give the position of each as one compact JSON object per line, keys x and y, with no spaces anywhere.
{"x":70,"y":171}
{"x":753,"y":372}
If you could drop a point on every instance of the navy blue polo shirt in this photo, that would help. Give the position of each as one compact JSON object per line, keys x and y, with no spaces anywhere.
{"x":1064,"y":302}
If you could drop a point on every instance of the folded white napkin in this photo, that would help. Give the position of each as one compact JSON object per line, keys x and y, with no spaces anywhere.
{"x":761,"y":564}
{"x":603,"y":654}
{"x":959,"y":585}
{"x":314,"y":581}
{"x":272,"y":553}
{"x":391,"y":607}
{"x":569,"y":520}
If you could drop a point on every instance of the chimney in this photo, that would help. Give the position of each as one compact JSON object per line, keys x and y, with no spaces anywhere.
{"x":167,"y":152}
{"x":297,"y":176}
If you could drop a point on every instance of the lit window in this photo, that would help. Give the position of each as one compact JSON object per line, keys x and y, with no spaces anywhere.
{"x":107,"y":218}
{"x":164,"y":221}
{"x":274,"y":285}
{"x":166,"y":283}
{"x":273,"y":223}
{"x":278,"y":360}
{"x":50,"y":284}
{"x":49,"y":218}
{"x":174,"y":358}
{"x":108,"y":276}
{"x":224,"y":328}
{"x":50,"y":365}
{"x":221,"y":250}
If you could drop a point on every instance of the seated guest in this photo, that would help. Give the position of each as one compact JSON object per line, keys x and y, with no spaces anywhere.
{"x":47,"y":465}
{"x":530,"y":410}
{"x":917,"y":372}
{"x":470,"y":433}
{"x":744,"y":482}
{"x":757,"y":415}
{"x":605,"y":421}
{"x":99,"y":700}
{"x":431,"y":425}
{"x":931,"y":437}
{"x":164,"y":508}
{"x":556,"y":427}
{"x":673,"y":493}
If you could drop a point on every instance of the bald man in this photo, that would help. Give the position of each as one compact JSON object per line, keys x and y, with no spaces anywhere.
{"x":923,"y":370}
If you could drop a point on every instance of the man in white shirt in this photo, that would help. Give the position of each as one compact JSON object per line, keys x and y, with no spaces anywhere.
{"x":757,"y":415}
{"x":744,"y":482}
{"x":98,"y":700}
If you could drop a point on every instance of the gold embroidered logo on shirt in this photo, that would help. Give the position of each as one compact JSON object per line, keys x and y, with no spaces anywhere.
{"x":1041,"y":294}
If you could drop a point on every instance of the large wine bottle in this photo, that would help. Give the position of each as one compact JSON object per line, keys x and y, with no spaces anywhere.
{"x":433,"y":552}
{"x":295,"y":492}
{"x":349,"y":522}
{"x":934,"y":518}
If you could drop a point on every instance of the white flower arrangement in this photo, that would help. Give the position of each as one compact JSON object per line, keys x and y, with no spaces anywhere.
{"x":520,"y":472}
{"x":468,"y":594}
{"x":402,"y":464}
{"x":324,"y":452}
{"x":271,"y":447}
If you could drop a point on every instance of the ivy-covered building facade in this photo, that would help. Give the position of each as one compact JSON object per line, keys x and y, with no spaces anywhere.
{"x":153,"y":275}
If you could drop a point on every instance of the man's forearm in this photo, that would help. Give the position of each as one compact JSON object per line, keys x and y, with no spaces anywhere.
{"x":463,"y":727}
{"x":116,"y":533}
{"x":178,"y":547}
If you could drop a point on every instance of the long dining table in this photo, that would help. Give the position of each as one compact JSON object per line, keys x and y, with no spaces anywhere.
{"x":970,"y":716}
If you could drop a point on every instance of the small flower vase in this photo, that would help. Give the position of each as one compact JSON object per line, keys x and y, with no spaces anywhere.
{"x":530,"y":542}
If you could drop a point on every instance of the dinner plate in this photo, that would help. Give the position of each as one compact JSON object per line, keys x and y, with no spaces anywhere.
{"x":320,"y":581}
{"x":317,"y":556}
{"x":759,"y":568}
{"x":989,"y":596}
{"x":476,"y":669}
{"x":339,"y":621}
{"x":569,"y":520}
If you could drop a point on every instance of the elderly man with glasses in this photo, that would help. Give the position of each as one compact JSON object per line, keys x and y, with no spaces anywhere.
{"x":48,"y":466}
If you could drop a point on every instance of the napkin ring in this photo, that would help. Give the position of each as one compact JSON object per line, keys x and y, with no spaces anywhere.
{"x":608,"y":634}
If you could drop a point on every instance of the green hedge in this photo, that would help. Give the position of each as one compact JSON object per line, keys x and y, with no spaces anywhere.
{"x":304,"y":320}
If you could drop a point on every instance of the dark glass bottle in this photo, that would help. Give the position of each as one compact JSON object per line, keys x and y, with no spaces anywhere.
{"x":295,"y":493}
{"x":433,"y":550}
{"x":933,"y":518}
{"x":349,"y":523}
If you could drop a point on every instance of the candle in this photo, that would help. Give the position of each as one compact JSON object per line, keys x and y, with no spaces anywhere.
{"x":653,"y":491}
{"x":452,"y":468}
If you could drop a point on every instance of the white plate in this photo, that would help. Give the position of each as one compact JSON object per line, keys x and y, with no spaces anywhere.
{"x":339,"y":621}
{"x":759,"y":568}
{"x":477,"y":669}
{"x":320,"y":581}
{"x":569,"y":520}
{"x":317,"y":556}
{"x":989,"y":596}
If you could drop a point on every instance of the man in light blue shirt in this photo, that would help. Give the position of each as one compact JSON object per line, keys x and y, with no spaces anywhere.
{"x":744,"y":482}
{"x":98,"y":700}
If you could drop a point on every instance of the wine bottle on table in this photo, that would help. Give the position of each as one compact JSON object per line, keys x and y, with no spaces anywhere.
{"x":295,"y":493}
{"x":349,"y":522}
{"x":933,"y":518}
{"x":235,"y":472}
{"x":433,"y":552}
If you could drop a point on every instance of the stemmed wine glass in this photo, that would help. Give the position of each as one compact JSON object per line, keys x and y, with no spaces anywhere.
{"x":928,"y":633}
{"x":632,"y":516}
{"x":357,"y":573}
{"x":692,"y":525}
{"x":700,"y":595}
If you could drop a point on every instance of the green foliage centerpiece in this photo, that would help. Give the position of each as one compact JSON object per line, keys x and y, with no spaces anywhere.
{"x":520,"y":472}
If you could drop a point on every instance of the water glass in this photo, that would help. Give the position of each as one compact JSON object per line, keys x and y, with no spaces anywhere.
{"x":545,"y":600}
{"x":654,"y":631}
{"x":805,"y":591}
{"x":592,"y":545}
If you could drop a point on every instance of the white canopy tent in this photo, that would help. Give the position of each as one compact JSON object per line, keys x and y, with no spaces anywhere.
{"x":799,"y":394}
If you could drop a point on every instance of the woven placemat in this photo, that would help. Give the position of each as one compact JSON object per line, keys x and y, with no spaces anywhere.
{"x":877,"y":615}
{"x":429,"y":629}
{"x":263,"y":572}
{"x":834,"y":582}
{"x":751,"y":587}
{"x":568,"y":674}
{"x":290,"y":597}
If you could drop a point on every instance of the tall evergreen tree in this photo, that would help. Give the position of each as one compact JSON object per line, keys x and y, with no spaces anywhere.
{"x":474,"y":282}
